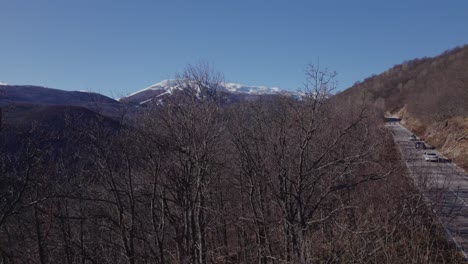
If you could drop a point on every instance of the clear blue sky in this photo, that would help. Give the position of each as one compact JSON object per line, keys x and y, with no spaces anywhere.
{"x":118,"y":47}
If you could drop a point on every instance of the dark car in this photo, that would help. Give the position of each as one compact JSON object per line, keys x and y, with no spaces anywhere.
{"x":419,"y":145}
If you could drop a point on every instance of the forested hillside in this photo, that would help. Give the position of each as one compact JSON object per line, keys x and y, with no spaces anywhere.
{"x":197,"y":181}
{"x":429,"y":94}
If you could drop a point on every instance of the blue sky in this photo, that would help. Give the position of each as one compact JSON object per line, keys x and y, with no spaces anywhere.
{"x":119,"y":47}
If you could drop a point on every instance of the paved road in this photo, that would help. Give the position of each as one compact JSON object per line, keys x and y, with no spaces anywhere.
{"x":444,"y":185}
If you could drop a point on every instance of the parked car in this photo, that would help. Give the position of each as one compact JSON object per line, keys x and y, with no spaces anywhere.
{"x":413,"y":138}
{"x":430,"y":156}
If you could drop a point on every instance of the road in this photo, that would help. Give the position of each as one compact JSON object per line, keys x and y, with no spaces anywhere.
{"x":444,"y":185}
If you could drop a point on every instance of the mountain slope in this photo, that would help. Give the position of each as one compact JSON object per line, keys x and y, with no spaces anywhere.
{"x":36,"y":95}
{"x":42,"y":95}
{"x":429,"y":94}
{"x":168,"y":87}
{"x":23,"y":116}
{"x":40,"y":111}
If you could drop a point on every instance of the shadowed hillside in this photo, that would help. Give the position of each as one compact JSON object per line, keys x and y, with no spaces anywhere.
{"x":429,"y":94}
{"x":25,"y":116}
{"x":36,"y":95}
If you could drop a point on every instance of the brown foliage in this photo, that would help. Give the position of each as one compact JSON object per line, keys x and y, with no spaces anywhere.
{"x":426,"y":93}
{"x":433,"y":89}
{"x":272,"y":181}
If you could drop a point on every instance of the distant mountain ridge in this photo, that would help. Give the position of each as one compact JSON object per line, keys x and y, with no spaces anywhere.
{"x":42,"y":95}
{"x":23,"y":104}
{"x":37,"y":95}
{"x":168,"y":87}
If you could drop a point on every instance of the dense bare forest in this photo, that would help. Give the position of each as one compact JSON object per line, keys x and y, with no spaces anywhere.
{"x":194,"y":179}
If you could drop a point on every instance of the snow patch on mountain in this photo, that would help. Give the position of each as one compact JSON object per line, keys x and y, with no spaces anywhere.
{"x":239,"y":88}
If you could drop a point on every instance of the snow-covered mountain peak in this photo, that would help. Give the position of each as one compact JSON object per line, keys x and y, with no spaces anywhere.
{"x":165,"y":83}
{"x":167,"y":87}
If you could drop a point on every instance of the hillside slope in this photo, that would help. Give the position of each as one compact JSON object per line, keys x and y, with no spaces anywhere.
{"x":429,"y":94}
{"x":37,"y":95}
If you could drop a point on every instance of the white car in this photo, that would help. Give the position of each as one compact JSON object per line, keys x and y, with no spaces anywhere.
{"x":430,"y":156}
{"x":412,"y":138}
